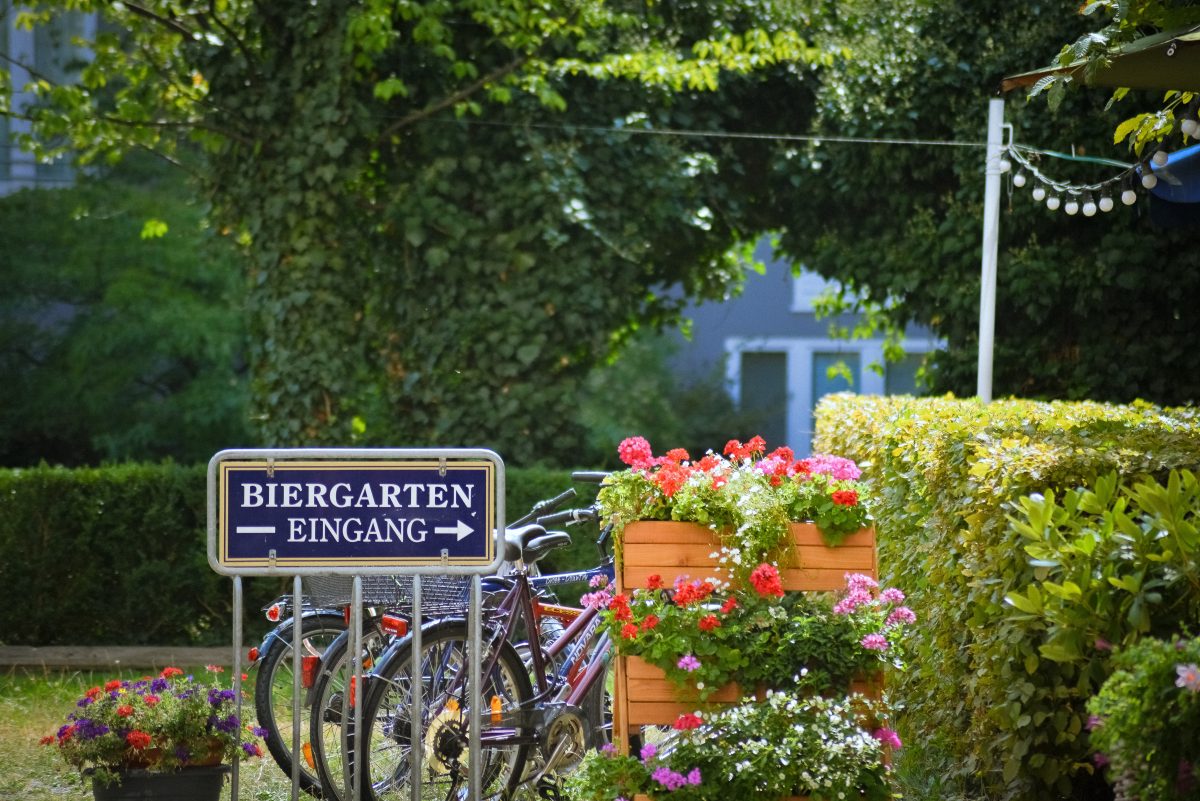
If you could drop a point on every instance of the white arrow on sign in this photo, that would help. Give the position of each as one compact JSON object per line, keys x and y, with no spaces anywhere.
{"x":460,"y":528}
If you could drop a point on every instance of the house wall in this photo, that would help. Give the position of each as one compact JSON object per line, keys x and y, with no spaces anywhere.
{"x":775,"y":355}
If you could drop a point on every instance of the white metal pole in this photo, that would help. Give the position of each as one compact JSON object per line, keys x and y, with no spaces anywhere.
{"x":991,"y":240}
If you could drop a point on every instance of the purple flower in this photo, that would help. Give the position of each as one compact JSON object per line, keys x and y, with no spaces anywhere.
{"x":1099,"y":759}
{"x":89,"y":729}
{"x":1094,"y":722}
{"x":159,"y":685}
{"x":858,"y":596}
{"x":1189,"y":676}
{"x":608,"y":749}
{"x":182,"y":753}
{"x":259,"y":731}
{"x":648,"y":751}
{"x":688,"y":662}
{"x":83,"y":702}
{"x":668,"y":778}
{"x":693,"y":777}
{"x":892,"y":596}
{"x":217,"y":697}
{"x":875,"y":642}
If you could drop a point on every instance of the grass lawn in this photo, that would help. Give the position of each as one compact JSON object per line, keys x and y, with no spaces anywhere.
{"x":35,"y":703}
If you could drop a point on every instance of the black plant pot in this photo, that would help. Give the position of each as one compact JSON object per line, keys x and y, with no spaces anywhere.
{"x":188,"y":784}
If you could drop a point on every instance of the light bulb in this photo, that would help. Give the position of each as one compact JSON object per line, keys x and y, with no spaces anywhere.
{"x":1190,"y":126}
{"x":1052,"y":202}
{"x":1129,"y":197}
{"x":1089,"y":205}
{"x":1039,"y":193}
{"x":1149,"y":179}
{"x":1106,"y":203}
{"x":1005,"y":165}
{"x":1019,"y":180}
{"x":1159,"y":158}
{"x":1072,"y":205}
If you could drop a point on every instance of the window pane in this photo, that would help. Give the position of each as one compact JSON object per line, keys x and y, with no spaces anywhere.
{"x":900,"y":378}
{"x":765,"y":394}
{"x":823,"y":383}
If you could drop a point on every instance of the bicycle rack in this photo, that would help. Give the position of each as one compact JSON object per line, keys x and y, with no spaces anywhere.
{"x":268,"y":561}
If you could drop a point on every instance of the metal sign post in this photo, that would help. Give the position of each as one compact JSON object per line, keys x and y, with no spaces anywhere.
{"x":356,"y":512}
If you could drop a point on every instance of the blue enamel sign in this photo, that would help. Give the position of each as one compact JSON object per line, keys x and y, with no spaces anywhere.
{"x":341,"y":515}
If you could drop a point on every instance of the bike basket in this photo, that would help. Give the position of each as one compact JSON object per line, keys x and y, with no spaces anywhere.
{"x":440,"y":595}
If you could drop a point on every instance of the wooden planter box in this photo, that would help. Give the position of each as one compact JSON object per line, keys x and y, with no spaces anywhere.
{"x":642,"y":693}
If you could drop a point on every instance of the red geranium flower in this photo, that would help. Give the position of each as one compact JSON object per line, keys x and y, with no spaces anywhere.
{"x":125,"y":710}
{"x":94,"y":693}
{"x":670,"y":477}
{"x":687,"y":721}
{"x":150,"y":700}
{"x":678,"y":455}
{"x":137,"y":739}
{"x":629,"y":631}
{"x":650,"y":622}
{"x":654,"y":582}
{"x":844,"y":497}
{"x":112,"y":685}
{"x":765,"y":579}
{"x":729,"y":605}
{"x":708,"y":462}
{"x":168,"y":672}
{"x":709,"y":622}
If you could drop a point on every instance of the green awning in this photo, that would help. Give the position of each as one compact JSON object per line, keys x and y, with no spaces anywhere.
{"x":1168,"y":60}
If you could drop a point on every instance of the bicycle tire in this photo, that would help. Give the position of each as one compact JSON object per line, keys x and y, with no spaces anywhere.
{"x":325,"y":726}
{"x":386,"y":719}
{"x":273,"y":688}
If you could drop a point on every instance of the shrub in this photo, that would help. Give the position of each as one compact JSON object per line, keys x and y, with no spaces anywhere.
{"x":87,"y":555}
{"x":1146,"y":724}
{"x":946,"y":474}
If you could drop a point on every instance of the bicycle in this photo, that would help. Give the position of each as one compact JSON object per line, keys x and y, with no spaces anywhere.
{"x":524,"y":707}
{"x":441,"y":597}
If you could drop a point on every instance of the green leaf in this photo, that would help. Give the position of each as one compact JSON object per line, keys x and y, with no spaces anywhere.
{"x":154,"y":229}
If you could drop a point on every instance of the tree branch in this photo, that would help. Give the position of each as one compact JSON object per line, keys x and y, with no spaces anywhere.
{"x":166,"y":22}
{"x":450,"y":100}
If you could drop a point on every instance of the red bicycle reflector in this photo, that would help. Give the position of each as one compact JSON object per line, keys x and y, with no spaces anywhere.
{"x":353,"y":690}
{"x":252,"y":655}
{"x":273,"y":613}
{"x":308,"y":670}
{"x":395,"y":625}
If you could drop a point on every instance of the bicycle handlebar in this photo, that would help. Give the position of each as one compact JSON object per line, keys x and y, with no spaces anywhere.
{"x":568,"y":516}
{"x":589,"y":476}
{"x":544,"y":506}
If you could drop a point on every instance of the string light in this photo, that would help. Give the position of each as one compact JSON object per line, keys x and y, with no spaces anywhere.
{"x":1088,"y":198}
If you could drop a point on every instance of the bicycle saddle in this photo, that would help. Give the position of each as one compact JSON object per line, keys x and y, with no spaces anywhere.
{"x":530,"y":543}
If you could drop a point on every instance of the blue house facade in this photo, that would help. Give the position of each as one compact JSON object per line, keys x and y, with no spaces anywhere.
{"x":776,"y":356}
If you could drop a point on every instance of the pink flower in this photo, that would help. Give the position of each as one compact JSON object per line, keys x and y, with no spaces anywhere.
{"x":1102,"y":644}
{"x":854,"y":599}
{"x":648,"y":751}
{"x":635,"y":452}
{"x":901,"y":614}
{"x":688,"y":662}
{"x":888,"y":737}
{"x":892,"y":596}
{"x":693,"y":777}
{"x":874,"y":642}
{"x":600,"y":599}
{"x":1093,"y":722}
{"x":860,"y":581}
{"x":835,"y":467}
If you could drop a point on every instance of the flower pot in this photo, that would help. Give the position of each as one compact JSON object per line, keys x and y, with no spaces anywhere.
{"x":642,"y":694}
{"x":671,"y":549}
{"x":188,"y":784}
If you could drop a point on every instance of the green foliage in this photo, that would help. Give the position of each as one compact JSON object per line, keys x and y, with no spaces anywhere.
{"x":1112,"y":564}
{"x":113,"y":346}
{"x":1123,"y":23}
{"x":430,"y":261}
{"x":87,"y":556}
{"x":947,"y":474}
{"x":1085,"y":308}
{"x":1147,"y":720}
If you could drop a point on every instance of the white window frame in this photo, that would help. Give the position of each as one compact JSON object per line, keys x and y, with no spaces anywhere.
{"x":799,"y":353}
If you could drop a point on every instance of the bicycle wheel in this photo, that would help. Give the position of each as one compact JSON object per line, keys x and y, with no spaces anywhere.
{"x":274,"y":684}
{"x":387,"y":720}
{"x":325,"y":723}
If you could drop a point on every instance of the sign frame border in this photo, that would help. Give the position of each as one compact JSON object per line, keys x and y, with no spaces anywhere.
{"x":284,"y":455}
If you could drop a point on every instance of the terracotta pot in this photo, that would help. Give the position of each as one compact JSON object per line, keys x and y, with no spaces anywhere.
{"x":642,"y":693}
{"x":188,"y":784}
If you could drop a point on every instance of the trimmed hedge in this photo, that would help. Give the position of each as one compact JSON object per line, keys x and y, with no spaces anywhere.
{"x":946,"y":475}
{"x":118,"y":555}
